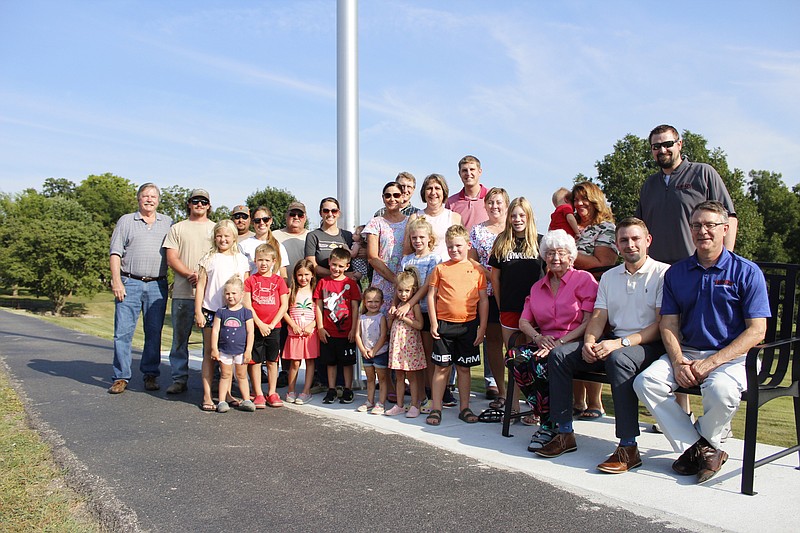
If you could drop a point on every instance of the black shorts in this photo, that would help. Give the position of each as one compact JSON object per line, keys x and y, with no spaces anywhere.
{"x":337,"y":351}
{"x":494,"y":311}
{"x":266,"y":349}
{"x":426,"y":322}
{"x":456,"y":344}
{"x":209,"y":316}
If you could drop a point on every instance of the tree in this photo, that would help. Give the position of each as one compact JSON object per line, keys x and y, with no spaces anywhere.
{"x":780,"y":209}
{"x":173,"y":202}
{"x":220,"y":213}
{"x":107,"y":197}
{"x":277,"y":200}
{"x":54,"y":250}
{"x":58,"y":187}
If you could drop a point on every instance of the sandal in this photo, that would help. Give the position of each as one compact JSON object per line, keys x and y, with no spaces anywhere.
{"x":467,"y":416}
{"x":529,"y":420}
{"x":576,"y":413}
{"x":491,"y":415}
{"x":540,"y":439}
{"x":498,"y":403}
{"x":592,"y":414}
{"x":435,"y":418}
{"x":208,"y":407}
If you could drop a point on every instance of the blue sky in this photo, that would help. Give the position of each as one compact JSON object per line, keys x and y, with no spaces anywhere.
{"x":236,"y":95}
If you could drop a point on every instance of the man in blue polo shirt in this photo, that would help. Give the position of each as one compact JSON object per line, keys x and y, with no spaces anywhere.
{"x":714,"y":309}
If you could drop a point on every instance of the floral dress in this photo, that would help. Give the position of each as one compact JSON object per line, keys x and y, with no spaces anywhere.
{"x":482,"y":241}
{"x":390,"y":250}
{"x":405,"y":347}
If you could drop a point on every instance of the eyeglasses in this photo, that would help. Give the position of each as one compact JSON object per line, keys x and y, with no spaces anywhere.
{"x":201,"y":201}
{"x":388,"y":195}
{"x":297,"y":214}
{"x":326,"y":211}
{"x":553,"y":253}
{"x":265,"y":220}
{"x":240,"y":216}
{"x":708,"y":226}
{"x":666,"y":144}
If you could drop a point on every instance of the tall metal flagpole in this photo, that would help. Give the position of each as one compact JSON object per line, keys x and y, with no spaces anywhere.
{"x":347,"y":111}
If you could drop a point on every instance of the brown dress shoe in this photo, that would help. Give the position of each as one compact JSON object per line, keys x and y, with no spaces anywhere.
{"x":711,"y":460}
{"x":688,"y":464}
{"x":118,"y":386}
{"x":561,"y":444}
{"x":151,"y":383}
{"x":623,"y":459}
{"x":177,"y":387}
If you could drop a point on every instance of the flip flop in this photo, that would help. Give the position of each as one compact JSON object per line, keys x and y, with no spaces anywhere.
{"x":592,"y":414}
{"x":208,"y":407}
{"x":435,"y":418}
{"x":467,"y":416}
{"x":576,"y":413}
{"x":491,"y":415}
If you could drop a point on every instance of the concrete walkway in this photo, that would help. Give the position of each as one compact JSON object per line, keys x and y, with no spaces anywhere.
{"x":64,"y":374}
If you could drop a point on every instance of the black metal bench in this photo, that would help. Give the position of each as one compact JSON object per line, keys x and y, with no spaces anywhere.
{"x":778,"y":375}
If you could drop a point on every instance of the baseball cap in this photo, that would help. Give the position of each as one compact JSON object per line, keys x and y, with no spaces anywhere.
{"x":241,"y":209}
{"x":199,"y":193}
{"x":296,"y":205}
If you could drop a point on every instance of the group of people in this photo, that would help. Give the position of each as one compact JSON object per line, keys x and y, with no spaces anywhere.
{"x":467,"y":270}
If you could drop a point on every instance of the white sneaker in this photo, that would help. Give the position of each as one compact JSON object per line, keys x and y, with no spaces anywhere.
{"x":364,"y":407}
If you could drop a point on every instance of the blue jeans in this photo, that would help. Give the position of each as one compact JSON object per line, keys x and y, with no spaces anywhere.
{"x":149,"y":299}
{"x":182,"y":323}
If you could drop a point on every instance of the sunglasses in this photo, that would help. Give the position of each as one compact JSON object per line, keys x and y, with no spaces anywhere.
{"x":297,"y":214}
{"x":240,"y":216}
{"x":201,"y":201}
{"x":259,"y":220}
{"x":388,"y":195}
{"x":666,"y":144}
{"x":333,"y":211}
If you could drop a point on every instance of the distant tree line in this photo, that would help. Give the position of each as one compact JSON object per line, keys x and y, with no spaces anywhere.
{"x":55,"y":242}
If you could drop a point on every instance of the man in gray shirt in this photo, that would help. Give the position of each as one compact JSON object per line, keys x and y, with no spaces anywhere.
{"x":667,"y":198}
{"x":139,"y":282}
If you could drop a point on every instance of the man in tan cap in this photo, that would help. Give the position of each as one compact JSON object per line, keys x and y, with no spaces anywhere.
{"x":185,"y":244}
{"x":241,"y":219}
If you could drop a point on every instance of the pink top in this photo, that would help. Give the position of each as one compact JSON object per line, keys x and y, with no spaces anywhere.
{"x":472,"y":210}
{"x":562,"y":314}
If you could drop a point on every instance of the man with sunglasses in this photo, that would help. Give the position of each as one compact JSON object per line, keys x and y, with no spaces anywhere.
{"x":241,"y":219}
{"x":185,"y":244}
{"x":667,"y":197}
{"x":714,"y":309}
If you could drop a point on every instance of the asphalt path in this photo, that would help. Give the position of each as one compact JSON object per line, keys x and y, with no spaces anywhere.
{"x":151,"y":462}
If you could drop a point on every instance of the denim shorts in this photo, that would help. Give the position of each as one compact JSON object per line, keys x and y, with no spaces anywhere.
{"x":378,"y":361}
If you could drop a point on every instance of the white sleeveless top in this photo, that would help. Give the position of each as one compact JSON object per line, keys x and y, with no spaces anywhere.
{"x":440,"y":223}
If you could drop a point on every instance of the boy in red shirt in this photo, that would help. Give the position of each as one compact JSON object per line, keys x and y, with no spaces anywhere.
{"x":267,"y":295}
{"x":337,"y":298}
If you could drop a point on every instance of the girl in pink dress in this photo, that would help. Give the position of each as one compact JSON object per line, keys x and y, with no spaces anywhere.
{"x":302,"y":342}
{"x":406,"y":352}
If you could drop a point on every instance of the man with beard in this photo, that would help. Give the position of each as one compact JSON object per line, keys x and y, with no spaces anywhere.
{"x":668,"y":197}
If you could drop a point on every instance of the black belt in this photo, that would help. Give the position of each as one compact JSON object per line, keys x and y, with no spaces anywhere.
{"x":142,"y":278}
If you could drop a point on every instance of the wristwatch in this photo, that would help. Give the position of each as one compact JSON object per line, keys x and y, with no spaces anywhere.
{"x":626,"y":342}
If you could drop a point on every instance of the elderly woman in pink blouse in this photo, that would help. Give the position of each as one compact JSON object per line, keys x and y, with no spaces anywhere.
{"x":555,"y":313}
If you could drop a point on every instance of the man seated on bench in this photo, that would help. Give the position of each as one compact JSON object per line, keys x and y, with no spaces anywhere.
{"x":714,"y":310}
{"x":628,"y":299}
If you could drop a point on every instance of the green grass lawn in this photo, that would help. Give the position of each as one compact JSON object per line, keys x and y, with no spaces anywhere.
{"x":33,"y":495}
{"x":95,"y":316}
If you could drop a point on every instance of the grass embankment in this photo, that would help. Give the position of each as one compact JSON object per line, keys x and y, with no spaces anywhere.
{"x":33,"y":496}
{"x":95,"y":316}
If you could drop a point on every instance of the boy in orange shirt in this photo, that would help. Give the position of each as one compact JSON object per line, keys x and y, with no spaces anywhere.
{"x":458,"y":309}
